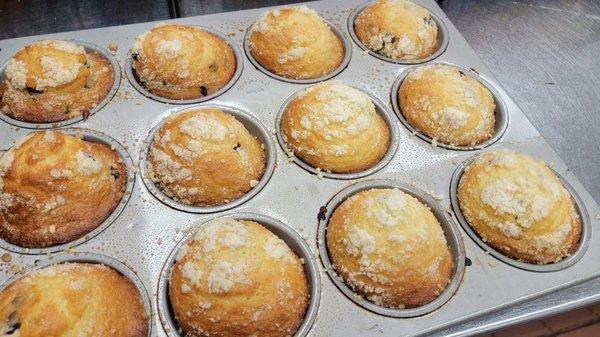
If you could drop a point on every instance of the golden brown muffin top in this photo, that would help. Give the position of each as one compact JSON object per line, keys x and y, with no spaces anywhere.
{"x":518,"y":205}
{"x":447,"y":105}
{"x":390,"y":248}
{"x":295,"y":42}
{"x":55,"y":188}
{"x":182,"y":62}
{"x":236,"y":278}
{"x":54,"y":80}
{"x":72,"y":299}
{"x":205,"y":157}
{"x":398,"y":29}
{"x":335,"y":127}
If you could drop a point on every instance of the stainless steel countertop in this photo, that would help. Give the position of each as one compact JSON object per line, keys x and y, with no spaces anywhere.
{"x":545,"y":53}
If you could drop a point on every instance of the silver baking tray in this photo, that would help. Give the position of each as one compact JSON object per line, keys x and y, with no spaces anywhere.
{"x":145,"y":233}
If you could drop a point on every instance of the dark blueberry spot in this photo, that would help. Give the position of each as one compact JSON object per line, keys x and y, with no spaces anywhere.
{"x":134,"y":56}
{"x":13,"y":324}
{"x":115,"y":173}
{"x":164,"y":83}
{"x":468,"y":262}
{"x":213,"y":66}
{"x":237,"y":146}
{"x":32,"y":90}
{"x":322,"y":212}
{"x":203,"y":91}
{"x":87,"y":65}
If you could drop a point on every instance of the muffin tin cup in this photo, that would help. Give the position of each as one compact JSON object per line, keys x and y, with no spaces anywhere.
{"x":584,"y":240}
{"x":239,"y":66}
{"x":443,"y":37}
{"x":252,"y":124}
{"x":345,"y":61}
{"x":93,"y":258}
{"x":380,"y":108}
{"x":451,"y":232}
{"x":501,"y":112}
{"x":284,"y":232}
{"x":101,"y":138}
{"x":89,"y":47}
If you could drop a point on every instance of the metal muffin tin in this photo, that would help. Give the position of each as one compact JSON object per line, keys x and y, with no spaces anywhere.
{"x":284,"y":232}
{"x":584,"y":240}
{"x":239,"y":66}
{"x":453,"y":237}
{"x":89,"y":47}
{"x":252,"y":124}
{"x":380,"y":108}
{"x":94,"y":137}
{"x":143,"y":235}
{"x":500,"y":113}
{"x":340,"y":35}
{"x":442,"y":40}
{"x":91,"y":258}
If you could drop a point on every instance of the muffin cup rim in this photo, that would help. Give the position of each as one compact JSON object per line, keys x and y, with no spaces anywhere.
{"x":239,"y":67}
{"x":311,"y":270}
{"x":339,"y":33}
{"x":93,"y":258}
{"x":89,"y":47}
{"x":580,"y":208}
{"x":241,"y":116}
{"x":100,"y":138}
{"x":442,"y":43}
{"x":501,"y":113}
{"x":451,"y":232}
{"x":380,"y":108}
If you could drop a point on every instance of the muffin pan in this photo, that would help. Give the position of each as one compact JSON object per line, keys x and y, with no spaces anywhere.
{"x":284,"y":232}
{"x":380,"y":108}
{"x":89,"y":47}
{"x":239,"y":66}
{"x":144,"y":234}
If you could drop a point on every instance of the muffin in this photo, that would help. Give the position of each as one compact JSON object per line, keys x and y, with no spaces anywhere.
{"x":55,"y":188}
{"x":205,"y":157}
{"x":54,"y":80}
{"x":72,"y":299}
{"x":389,"y":248}
{"x":335,"y":127}
{"x":519,"y":207}
{"x":447,"y":105}
{"x":398,"y":29}
{"x":182,"y":62}
{"x":296,"y":43}
{"x":236,"y":278}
